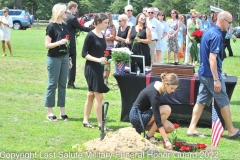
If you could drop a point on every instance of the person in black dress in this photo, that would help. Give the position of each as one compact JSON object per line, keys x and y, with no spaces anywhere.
{"x":122,"y":31}
{"x":147,"y":112}
{"x":58,"y":61}
{"x":93,"y":51}
{"x":144,"y":38}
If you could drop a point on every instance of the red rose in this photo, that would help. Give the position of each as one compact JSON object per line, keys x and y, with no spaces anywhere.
{"x":197,"y":33}
{"x":203,"y":146}
{"x":106,"y":53}
{"x":67,"y":36}
{"x":183,"y":148}
{"x":188,"y":148}
{"x":175,"y":125}
{"x":199,"y":145}
{"x":140,"y":29}
{"x":178,"y":144}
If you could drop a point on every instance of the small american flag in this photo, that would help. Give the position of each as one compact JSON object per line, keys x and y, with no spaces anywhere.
{"x":217,"y":128}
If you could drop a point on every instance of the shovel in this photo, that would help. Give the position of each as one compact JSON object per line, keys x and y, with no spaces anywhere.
{"x":104,"y":115}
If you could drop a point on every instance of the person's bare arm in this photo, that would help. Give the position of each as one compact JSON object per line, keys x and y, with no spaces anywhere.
{"x":128,"y":36}
{"x":213,"y":67}
{"x":112,"y":36}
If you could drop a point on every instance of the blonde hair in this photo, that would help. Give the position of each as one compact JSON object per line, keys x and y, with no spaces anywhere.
{"x":169,"y":78}
{"x":123,"y":17}
{"x":72,"y":4}
{"x":57,"y":9}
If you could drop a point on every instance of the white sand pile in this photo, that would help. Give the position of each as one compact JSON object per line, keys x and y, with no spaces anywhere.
{"x":124,"y":140}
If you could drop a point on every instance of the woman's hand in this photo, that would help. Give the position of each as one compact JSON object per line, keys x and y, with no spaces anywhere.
{"x":102,"y":60}
{"x":117,"y":38}
{"x":168,"y":145}
{"x":63,"y":41}
{"x":70,"y":64}
{"x":192,"y":38}
{"x":170,"y":36}
{"x":127,"y":41}
{"x":137,"y":38}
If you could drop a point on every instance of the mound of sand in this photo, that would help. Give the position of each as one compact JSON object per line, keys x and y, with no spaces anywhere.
{"x":124,"y":140}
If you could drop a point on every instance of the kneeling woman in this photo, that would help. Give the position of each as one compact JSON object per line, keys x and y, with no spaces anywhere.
{"x":147,"y":114}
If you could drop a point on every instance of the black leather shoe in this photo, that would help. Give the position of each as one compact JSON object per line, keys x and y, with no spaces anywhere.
{"x":72,"y":86}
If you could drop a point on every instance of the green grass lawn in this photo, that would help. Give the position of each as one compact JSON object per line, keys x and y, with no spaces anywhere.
{"x":23,"y":82}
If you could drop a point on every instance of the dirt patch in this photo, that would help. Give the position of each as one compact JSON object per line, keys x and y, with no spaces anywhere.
{"x":124,"y":140}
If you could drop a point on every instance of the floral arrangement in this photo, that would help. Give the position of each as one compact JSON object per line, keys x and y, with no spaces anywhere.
{"x":184,"y":146}
{"x":197,"y":34}
{"x":137,"y":35}
{"x":121,"y":55}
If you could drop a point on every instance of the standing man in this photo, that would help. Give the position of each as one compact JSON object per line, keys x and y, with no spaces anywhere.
{"x":129,"y":12}
{"x":211,"y":82}
{"x":72,"y":25}
{"x":155,"y":28}
{"x":227,"y":42}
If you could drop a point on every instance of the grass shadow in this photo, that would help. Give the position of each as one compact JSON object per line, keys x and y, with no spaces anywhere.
{"x":91,"y":120}
{"x":226,"y":136}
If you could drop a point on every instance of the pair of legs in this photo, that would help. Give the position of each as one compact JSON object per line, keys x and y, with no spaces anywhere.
{"x":225,"y":112}
{"x":51,"y":115}
{"x":206,"y":92}
{"x":57,"y":78}
{"x":152,"y":47}
{"x":158,"y":58}
{"x":175,"y":57}
{"x":165,"y":112}
{"x":72,"y":71}
{"x":4,"y":48}
{"x":97,"y":107}
{"x":228,"y":46}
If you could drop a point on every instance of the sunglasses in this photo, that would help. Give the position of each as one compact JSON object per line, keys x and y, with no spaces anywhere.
{"x":173,"y":13}
{"x":193,"y":17}
{"x":150,"y":12}
{"x":129,"y":10}
{"x":161,"y":15}
{"x":143,"y":18}
{"x":228,"y":21}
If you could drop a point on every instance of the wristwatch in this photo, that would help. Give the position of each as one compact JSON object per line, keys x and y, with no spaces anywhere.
{"x":166,"y":140}
{"x":216,"y":79}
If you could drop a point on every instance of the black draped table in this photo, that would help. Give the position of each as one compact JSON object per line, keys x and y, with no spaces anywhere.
{"x":181,"y":101}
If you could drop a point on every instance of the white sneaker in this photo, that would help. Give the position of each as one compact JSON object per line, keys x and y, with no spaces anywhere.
{"x":11,"y":55}
{"x":4,"y":54}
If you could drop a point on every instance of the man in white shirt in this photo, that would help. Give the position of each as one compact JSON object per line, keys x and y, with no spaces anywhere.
{"x":155,"y":28}
{"x":131,"y":19}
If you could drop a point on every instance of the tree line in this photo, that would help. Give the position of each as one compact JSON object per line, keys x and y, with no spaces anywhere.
{"x":41,"y":9}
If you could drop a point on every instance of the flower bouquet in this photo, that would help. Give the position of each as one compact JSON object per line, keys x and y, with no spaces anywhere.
{"x":197,"y":34}
{"x":121,"y":56}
